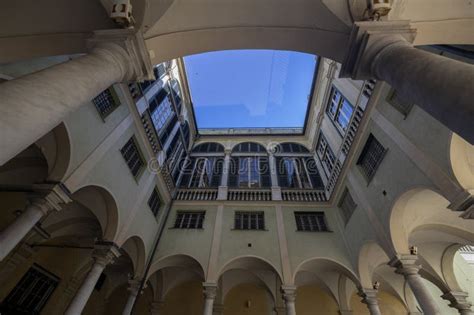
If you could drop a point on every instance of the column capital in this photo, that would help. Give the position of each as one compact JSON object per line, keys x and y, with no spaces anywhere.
{"x":458,"y":300}
{"x":405,"y":264}
{"x":105,"y":253}
{"x":367,"y":39}
{"x":209,"y":290}
{"x":133,"y":44}
{"x":288,"y":293}
{"x":369,"y":296}
{"x":280,"y":310}
{"x":50,"y":196}
{"x":227,"y":152}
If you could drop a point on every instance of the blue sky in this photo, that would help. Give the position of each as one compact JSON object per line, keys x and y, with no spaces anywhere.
{"x":250,"y":88}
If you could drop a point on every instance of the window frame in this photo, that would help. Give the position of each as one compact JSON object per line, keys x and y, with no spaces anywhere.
{"x":115,"y":100}
{"x":338,"y":109}
{"x":259,"y":218}
{"x":400,"y":105}
{"x":300,"y":226}
{"x":27,"y":292}
{"x":347,"y":201}
{"x":140,"y":155}
{"x":363,"y":154}
{"x":156,"y":208}
{"x":185,"y":215}
{"x":325,"y":155}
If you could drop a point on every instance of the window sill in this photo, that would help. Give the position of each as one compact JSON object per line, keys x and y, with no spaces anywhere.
{"x":177,"y":228}
{"x":315,"y":231}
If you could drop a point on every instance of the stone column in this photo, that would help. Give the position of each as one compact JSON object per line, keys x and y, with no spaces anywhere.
{"x":210,"y":292}
{"x":104,"y":254}
{"x":279,"y":310}
{"x":156,"y":308}
{"x":133,"y":287}
{"x":34,"y":104}
{"x":406,"y":265}
{"x":346,"y":312}
{"x":47,"y":198}
{"x":289,"y":296}
{"x":223,"y":188}
{"x":369,"y":297}
{"x":459,"y":301}
{"x":439,"y":85}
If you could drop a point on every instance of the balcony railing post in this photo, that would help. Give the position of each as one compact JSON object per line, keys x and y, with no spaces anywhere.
{"x":276,"y":190}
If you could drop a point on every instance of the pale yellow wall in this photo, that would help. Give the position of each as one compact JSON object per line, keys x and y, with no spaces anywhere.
{"x":389,"y":305}
{"x":311,"y":300}
{"x":235,"y":302}
{"x":61,"y":262}
{"x":185,"y":299}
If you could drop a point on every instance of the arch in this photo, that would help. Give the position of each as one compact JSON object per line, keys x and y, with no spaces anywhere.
{"x":291,"y":147}
{"x":422,"y":208}
{"x":371,"y":256}
{"x":247,"y":262}
{"x":322,"y":264}
{"x":249,"y":147}
{"x":208,"y":147}
{"x":26,"y":168}
{"x":249,"y":26}
{"x":56,"y":147}
{"x":103,"y":205}
{"x":235,"y":277}
{"x":178,"y":260}
{"x":135,"y":249}
{"x":461,"y":156}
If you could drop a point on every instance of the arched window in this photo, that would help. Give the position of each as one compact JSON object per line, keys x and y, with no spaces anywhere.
{"x":296,"y":167}
{"x":249,"y":167}
{"x":290,"y":147}
{"x":209,"y":147}
{"x":204,"y":167}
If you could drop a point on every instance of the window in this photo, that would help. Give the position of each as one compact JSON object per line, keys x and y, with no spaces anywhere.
{"x":160,"y":110}
{"x":325,"y":154}
{"x":206,"y":172}
{"x":340,"y":110}
{"x":347,"y":205}
{"x":311,"y":221}
{"x":371,"y":157}
{"x":298,"y":172}
{"x":154,"y":202}
{"x":401,"y":105}
{"x":245,"y":220}
{"x":106,"y":102}
{"x":133,"y":157}
{"x":189,"y":220}
{"x":30,"y":294}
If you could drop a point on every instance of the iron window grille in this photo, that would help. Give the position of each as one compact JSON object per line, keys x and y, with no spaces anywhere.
{"x":133,"y":157}
{"x":311,"y":221}
{"x":246,"y":220}
{"x":347,"y":205}
{"x":106,"y":102}
{"x":325,"y":154}
{"x":189,"y":220}
{"x":340,"y":110}
{"x":371,"y":157}
{"x":398,"y":103}
{"x":31,"y":294}
{"x":154,"y":202}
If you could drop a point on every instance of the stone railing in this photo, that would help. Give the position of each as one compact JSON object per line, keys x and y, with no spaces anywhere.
{"x":135,"y":91}
{"x":196,"y":194}
{"x":303,"y":195}
{"x":249,"y":195}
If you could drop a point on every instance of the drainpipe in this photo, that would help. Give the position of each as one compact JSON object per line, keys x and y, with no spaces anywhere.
{"x":157,"y":241}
